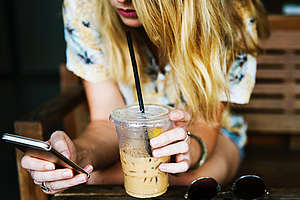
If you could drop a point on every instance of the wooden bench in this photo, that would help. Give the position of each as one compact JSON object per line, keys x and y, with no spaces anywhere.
{"x":272,"y":114}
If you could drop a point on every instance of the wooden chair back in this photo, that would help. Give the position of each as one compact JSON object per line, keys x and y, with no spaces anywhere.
{"x":273,"y":113}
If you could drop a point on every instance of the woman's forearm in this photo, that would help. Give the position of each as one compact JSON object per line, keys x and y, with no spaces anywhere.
{"x":98,"y":145}
{"x":208,"y":135}
{"x":222,"y":164}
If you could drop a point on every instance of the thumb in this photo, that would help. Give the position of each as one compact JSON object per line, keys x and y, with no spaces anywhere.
{"x":60,"y":141}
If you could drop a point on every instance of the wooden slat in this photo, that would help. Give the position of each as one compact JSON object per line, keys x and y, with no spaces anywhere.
{"x":28,"y":190}
{"x":270,"y":123}
{"x":285,"y":59}
{"x":284,"y":22}
{"x":278,"y":73}
{"x":276,"y":89}
{"x":258,"y":103}
{"x":283,"y":39}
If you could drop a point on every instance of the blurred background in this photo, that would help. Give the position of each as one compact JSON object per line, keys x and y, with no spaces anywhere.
{"x":32,"y":48}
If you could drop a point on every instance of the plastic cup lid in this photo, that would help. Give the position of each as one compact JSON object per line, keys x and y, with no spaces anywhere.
{"x":132,"y":114}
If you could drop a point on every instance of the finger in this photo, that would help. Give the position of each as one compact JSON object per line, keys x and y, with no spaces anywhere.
{"x":174,"y":167}
{"x":55,"y":175}
{"x":47,"y":191}
{"x":168,"y":137}
{"x":172,"y":149}
{"x":62,"y":174}
{"x":64,"y":184}
{"x":31,"y":163}
{"x":180,"y":117}
{"x":59,"y":186}
{"x":88,"y":168}
{"x":59,"y":140}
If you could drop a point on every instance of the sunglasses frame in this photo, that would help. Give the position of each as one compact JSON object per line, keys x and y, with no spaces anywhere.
{"x":218,"y":188}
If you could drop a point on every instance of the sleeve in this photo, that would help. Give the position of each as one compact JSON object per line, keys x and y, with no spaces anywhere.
{"x":241,"y":79}
{"x":83,"y":45}
{"x":241,"y":76}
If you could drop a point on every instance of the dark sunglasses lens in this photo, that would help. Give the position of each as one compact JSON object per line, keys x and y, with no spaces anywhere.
{"x":204,"y":189}
{"x":249,"y":187}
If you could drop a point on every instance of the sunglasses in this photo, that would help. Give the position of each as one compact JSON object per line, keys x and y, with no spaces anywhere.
{"x":245,"y":187}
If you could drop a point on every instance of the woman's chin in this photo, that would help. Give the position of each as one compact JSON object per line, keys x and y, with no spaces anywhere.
{"x":132,"y":22}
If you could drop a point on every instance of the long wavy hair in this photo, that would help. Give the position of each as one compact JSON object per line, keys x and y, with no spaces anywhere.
{"x":199,"y":38}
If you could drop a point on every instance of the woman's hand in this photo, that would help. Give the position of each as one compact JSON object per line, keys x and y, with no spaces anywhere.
{"x":174,"y":142}
{"x":44,"y":172}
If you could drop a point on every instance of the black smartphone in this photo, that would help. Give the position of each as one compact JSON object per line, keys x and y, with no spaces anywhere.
{"x":41,"y":150}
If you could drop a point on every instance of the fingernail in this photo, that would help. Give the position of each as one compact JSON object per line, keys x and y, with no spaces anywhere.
{"x":81,"y":178}
{"x":157,"y":152}
{"x":66,"y":154}
{"x":174,"y":115}
{"x":49,"y":167}
{"x":89,"y":168}
{"x":162,"y":167}
{"x":67,"y":174}
{"x":154,"y":142}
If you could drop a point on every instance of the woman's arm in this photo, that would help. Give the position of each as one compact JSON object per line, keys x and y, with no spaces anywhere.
{"x":223,"y":155}
{"x":207,"y":133}
{"x":98,"y":145}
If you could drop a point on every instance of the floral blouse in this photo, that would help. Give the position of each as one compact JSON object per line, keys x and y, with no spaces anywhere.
{"x":85,"y":59}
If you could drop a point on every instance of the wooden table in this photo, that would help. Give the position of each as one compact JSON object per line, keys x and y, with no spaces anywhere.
{"x":113,"y":192}
{"x":279,"y":168}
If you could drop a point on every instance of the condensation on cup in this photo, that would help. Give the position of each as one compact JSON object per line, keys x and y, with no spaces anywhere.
{"x":142,"y":177}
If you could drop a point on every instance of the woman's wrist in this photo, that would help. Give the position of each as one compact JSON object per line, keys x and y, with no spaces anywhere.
{"x":82,"y":157}
{"x":199,"y":150}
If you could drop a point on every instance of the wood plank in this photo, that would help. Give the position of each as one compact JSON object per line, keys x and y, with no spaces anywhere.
{"x":108,"y":192}
{"x":283,"y":59}
{"x":283,"y":39}
{"x":276,"y":89}
{"x":273,"y":123}
{"x":28,"y":190}
{"x":278,"y":73}
{"x":284,"y":22}
{"x":30,"y":129}
{"x":256,"y":103}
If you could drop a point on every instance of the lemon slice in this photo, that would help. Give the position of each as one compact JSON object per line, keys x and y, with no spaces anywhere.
{"x":156,"y":132}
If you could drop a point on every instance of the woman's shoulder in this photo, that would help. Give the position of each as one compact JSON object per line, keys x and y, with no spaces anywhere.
{"x":82,"y":9}
{"x":84,"y":55}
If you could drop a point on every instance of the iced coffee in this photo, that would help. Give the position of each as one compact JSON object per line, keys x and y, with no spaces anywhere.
{"x":142,"y":177}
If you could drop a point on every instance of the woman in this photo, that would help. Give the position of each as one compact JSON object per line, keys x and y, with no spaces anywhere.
{"x":195,"y":55}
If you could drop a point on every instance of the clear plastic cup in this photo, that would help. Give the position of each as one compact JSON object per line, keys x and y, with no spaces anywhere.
{"x":142,"y":177}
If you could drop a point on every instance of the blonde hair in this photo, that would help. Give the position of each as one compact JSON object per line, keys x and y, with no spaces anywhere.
{"x":198,"y":37}
{"x":115,"y":47}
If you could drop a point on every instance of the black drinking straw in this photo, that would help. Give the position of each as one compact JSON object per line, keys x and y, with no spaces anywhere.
{"x":138,"y":88}
{"x":135,"y":71}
